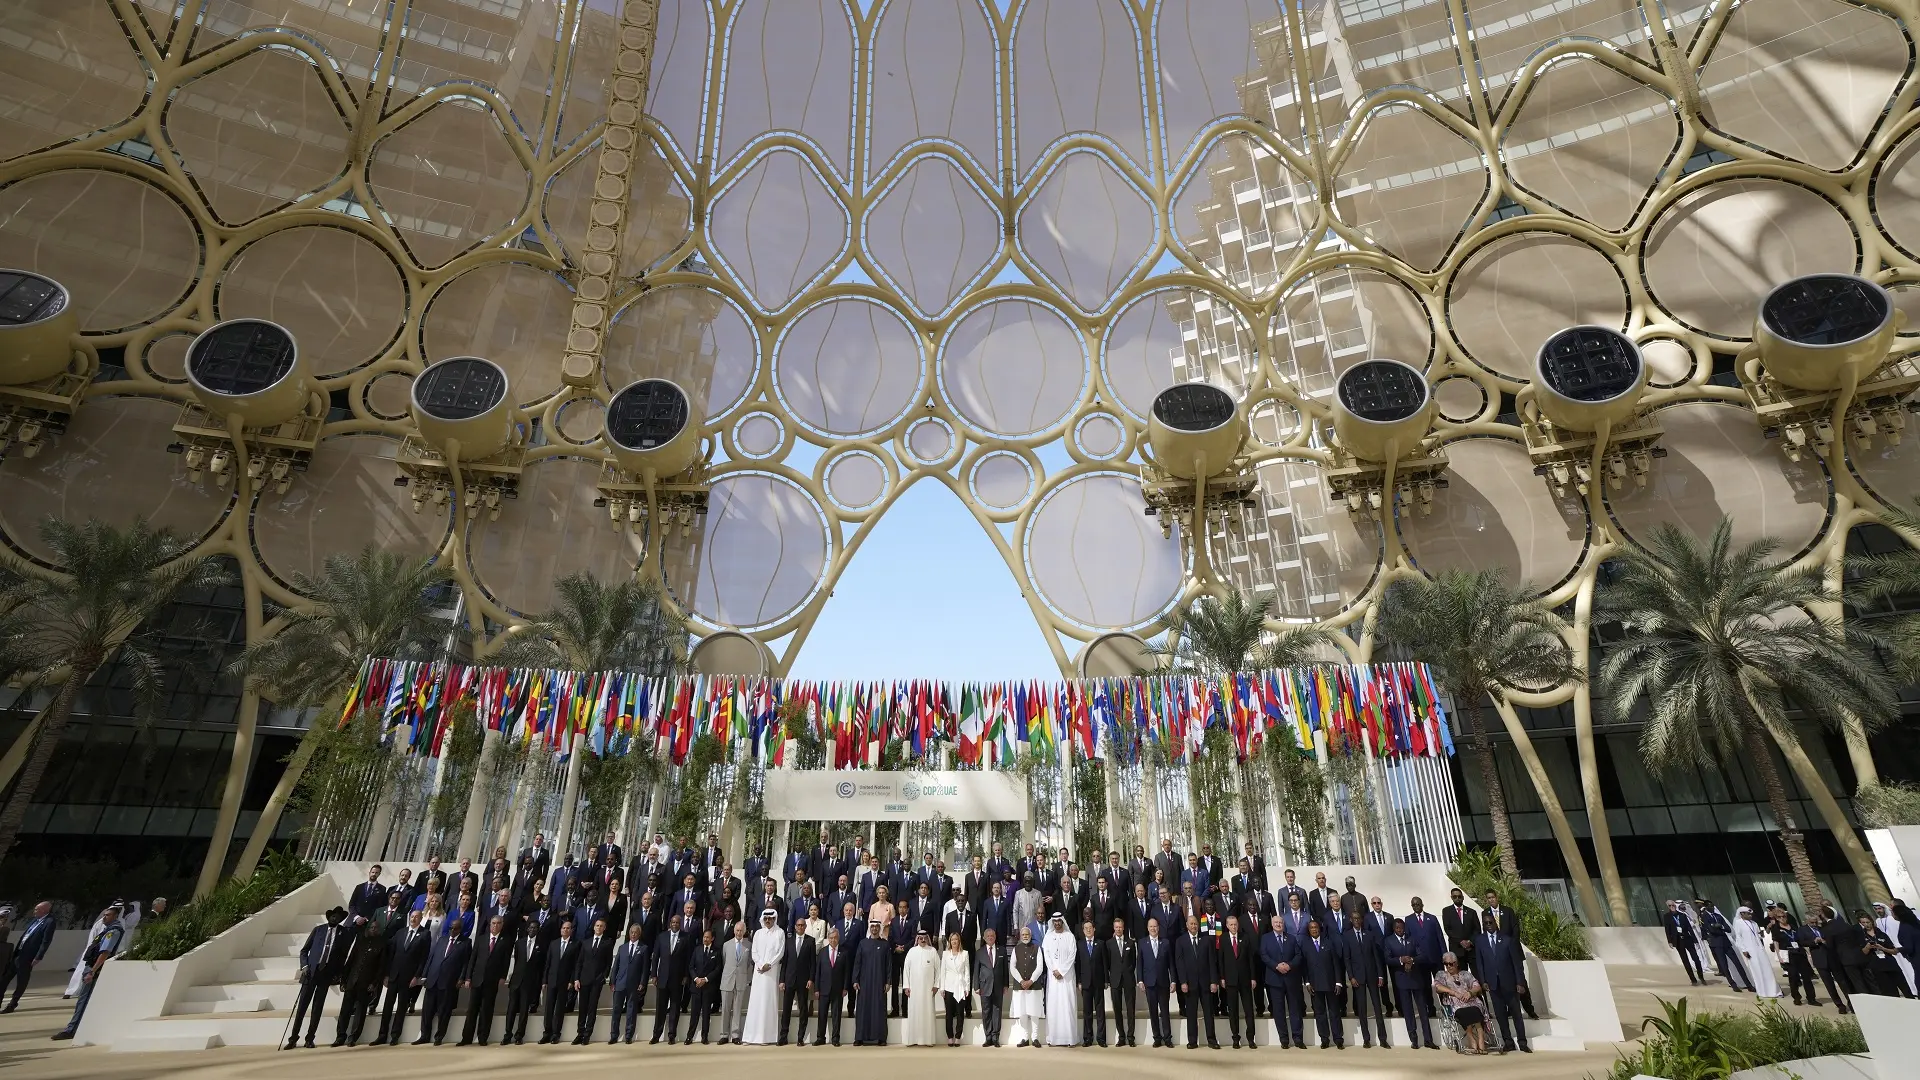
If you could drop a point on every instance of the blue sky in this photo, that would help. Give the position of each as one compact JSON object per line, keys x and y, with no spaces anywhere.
{"x":926,"y":596}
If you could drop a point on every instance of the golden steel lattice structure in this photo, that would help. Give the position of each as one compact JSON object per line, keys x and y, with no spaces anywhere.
{"x":959,"y":242}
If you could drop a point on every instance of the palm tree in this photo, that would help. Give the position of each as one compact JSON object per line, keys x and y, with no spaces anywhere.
{"x":594,"y":626}
{"x":1222,"y":636}
{"x":1484,"y":638}
{"x":1217,"y":636}
{"x":1719,"y":642}
{"x":372,"y":603}
{"x":115,"y":580}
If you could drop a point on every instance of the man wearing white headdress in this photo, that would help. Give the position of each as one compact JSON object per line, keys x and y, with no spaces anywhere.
{"x":762,"y":1025}
{"x":1063,"y":990}
{"x":920,"y":978}
{"x":1752,"y":947}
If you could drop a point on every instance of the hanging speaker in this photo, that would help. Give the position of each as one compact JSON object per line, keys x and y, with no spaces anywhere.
{"x":250,"y":368}
{"x":464,"y":398}
{"x":1814,"y":330}
{"x":1382,"y":409}
{"x":1586,"y":374}
{"x":650,"y":428}
{"x":37,"y":328}
{"x":1195,"y":430}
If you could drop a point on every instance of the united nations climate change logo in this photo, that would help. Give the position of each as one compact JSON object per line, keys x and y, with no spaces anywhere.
{"x":844,"y":789}
{"x":910,"y":790}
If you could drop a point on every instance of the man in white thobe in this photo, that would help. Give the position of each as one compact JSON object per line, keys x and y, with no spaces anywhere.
{"x":919,"y":976}
{"x":762,"y":1027}
{"x":1063,"y":992}
{"x":1751,"y":944}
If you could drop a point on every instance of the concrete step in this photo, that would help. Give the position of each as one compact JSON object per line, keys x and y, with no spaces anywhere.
{"x":282,"y":945}
{"x":262,"y":969}
{"x":237,"y":997}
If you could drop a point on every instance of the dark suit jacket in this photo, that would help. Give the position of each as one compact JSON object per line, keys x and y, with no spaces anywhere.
{"x":1155,"y":964}
{"x":1323,"y":968}
{"x":1170,"y":864}
{"x":489,"y":965}
{"x":966,"y":924}
{"x":1089,"y":968}
{"x":1428,"y":935}
{"x":408,"y":956}
{"x":1365,"y":959}
{"x":1193,"y":962}
{"x":997,"y":915}
{"x":974,"y":885}
{"x":1509,"y":922}
{"x":1235,"y":959}
{"x":542,"y":858}
{"x":799,"y":964}
{"x":1460,"y":924}
{"x":529,"y":964}
{"x":1257,"y":911}
{"x":447,"y":963}
{"x":563,"y":961}
{"x":367,"y":898}
{"x":326,"y":969}
{"x":631,"y":964}
{"x":832,"y":971}
{"x":670,"y":964}
{"x":990,"y":973}
{"x":1121,"y":959}
{"x":1502,"y":968}
{"x":1276,"y":949}
{"x":595,"y":963}
{"x":1680,"y":929}
{"x":704,"y":963}
{"x":1101,"y":909}
{"x":1393,"y":949}
{"x":1321,"y":902}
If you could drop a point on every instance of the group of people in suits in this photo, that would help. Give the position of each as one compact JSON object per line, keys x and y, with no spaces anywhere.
{"x":1875,"y":953}
{"x":1035,"y":940}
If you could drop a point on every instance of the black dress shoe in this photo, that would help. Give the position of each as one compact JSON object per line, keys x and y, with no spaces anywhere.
{"x":343,"y":1042}
{"x":1213,"y":1046}
{"x":436,"y":1042}
{"x":654,"y":1041}
{"x":465,"y":1042}
{"x":1193,"y":1046}
{"x":1525,"y":1049}
{"x":423,"y":1040}
{"x":1236,"y":1044}
{"x":1433,"y":1046}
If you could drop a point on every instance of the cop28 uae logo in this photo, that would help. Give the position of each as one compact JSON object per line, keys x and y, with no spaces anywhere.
{"x":910,"y":790}
{"x":844,"y":789}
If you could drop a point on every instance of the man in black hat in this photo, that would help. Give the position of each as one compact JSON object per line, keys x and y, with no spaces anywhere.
{"x":321,"y":960}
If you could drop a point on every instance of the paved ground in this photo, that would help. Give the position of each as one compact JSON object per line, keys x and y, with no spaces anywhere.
{"x":26,"y":1052}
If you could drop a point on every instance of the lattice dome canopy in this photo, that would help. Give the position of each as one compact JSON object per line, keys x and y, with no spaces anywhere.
{"x":882,"y":242}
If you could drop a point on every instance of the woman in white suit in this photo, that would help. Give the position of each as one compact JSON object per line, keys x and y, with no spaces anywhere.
{"x":956,"y":986}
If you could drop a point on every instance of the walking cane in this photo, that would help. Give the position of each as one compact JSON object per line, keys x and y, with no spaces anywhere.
{"x":301,"y":980}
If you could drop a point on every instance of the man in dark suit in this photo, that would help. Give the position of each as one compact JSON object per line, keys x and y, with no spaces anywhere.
{"x":433,"y":873}
{"x":321,"y":960}
{"x":368,"y":897}
{"x":1257,"y":908}
{"x":672,"y":953}
{"x":754,"y":869}
{"x":538,"y":855}
{"x":1119,"y":881}
{"x":608,"y":847}
{"x":961,"y":920}
{"x":832,"y":976}
{"x":990,"y":975}
{"x":389,"y":919}
{"x":590,"y":978}
{"x":793,"y":863}
{"x":492,"y":954}
{"x":940,"y":886}
{"x":1504,"y":975}
{"x":360,"y":983}
{"x":1427,"y":935}
{"x":1252,"y":856}
{"x":446,"y":966}
{"x":1289,"y":889}
{"x":1237,"y":967}
{"x":926,"y":914}
{"x":974,"y":884}
{"x":523,"y":985}
{"x":1120,"y":958}
{"x":28,"y":953}
{"x":1193,"y":974}
{"x":465,"y":878}
{"x":703,"y":988}
{"x":1461,"y":924}
{"x":1156,"y":978}
{"x":1000,"y":868}
{"x":1280,"y":977}
{"x":997,"y":914}
{"x":1509,"y":921}
{"x":1683,"y":939}
{"x":1719,"y":935}
{"x":1322,"y":902}
{"x":1137,"y":910}
{"x":1412,"y":982}
{"x":563,"y":964}
{"x":1323,"y":973}
{"x":1194,"y":877}
{"x":1032,"y":863}
{"x":796,"y":980}
{"x":1103,"y":908}
{"x":1090,"y":974}
{"x":822,"y":861}
{"x":1295,"y":916}
{"x":406,"y":961}
{"x":632,"y":962}
{"x":1367,"y":978}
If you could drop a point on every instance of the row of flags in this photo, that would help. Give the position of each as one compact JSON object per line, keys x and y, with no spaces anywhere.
{"x":1390,"y":710}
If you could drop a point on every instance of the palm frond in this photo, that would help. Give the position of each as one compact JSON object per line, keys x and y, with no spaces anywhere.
{"x":371,"y":603}
{"x":594,"y":626}
{"x":1478,"y":632}
{"x":1215,"y":636}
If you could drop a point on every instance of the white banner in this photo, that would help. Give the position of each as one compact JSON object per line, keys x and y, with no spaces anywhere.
{"x":855,"y":795}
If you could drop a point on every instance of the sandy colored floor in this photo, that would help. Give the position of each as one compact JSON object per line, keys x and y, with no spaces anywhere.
{"x":27,"y":1052}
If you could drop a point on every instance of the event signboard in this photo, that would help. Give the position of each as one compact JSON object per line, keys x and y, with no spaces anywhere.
{"x":859,"y":795}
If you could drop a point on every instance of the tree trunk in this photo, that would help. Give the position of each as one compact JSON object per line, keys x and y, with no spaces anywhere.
{"x":54,"y":721}
{"x":1496,"y":803}
{"x":1761,"y":757}
{"x":1863,"y":865}
{"x":239,"y":763}
{"x":263,"y":829}
{"x":1594,"y":913}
